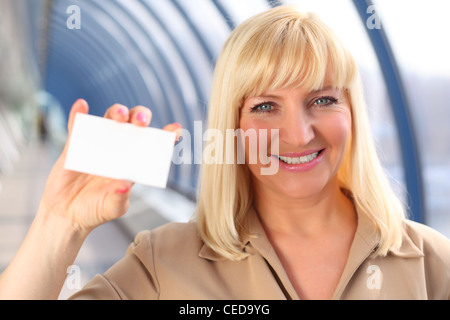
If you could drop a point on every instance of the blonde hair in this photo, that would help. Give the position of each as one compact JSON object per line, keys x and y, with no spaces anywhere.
{"x":279,"y":48}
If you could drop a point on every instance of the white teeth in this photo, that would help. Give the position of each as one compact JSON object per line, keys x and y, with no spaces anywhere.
{"x":299,"y":160}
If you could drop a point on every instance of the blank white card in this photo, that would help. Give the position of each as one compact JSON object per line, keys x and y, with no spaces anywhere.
{"x":122,"y":151}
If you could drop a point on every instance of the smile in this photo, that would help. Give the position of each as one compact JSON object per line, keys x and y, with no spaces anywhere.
{"x":299,"y":160}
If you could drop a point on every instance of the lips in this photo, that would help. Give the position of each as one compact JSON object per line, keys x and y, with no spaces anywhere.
{"x":299,"y":158}
{"x":300,"y":161}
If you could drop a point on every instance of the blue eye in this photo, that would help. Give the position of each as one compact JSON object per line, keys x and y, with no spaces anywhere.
{"x":263,"y":107}
{"x":325,"y":101}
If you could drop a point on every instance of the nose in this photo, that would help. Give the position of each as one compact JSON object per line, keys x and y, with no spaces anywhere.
{"x":298,"y":128}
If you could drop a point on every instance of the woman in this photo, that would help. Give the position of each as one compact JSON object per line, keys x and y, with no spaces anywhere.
{"x":325,"y":225}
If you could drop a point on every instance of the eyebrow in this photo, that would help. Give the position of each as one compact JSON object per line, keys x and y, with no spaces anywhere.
{"x":323,"y":89}
{"x":275,"y":96}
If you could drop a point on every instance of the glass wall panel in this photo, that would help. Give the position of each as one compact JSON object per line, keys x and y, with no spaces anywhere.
{"x":417,"y":30}
{"x":240,"y":10}
{"x":208,"y":22}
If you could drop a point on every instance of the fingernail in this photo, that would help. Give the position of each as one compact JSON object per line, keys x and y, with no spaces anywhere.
{"x":122,"y":111}
{"x":142,"y":117}
{"x":123,"y":191}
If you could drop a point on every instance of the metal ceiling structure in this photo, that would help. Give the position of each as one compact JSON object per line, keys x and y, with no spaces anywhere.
{"x":161,"y":54}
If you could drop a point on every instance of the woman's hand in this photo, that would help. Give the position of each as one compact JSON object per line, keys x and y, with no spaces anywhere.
{"x":73,"y":204}
{"x":86,"y":201}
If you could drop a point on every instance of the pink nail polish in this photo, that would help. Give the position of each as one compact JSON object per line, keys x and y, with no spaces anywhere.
{"x":142,"y":117}
{"x":122,"y":112}
{"x":123,"y":191}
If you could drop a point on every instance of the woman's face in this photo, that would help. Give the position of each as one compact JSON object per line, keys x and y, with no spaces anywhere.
{"x":314,"y":131}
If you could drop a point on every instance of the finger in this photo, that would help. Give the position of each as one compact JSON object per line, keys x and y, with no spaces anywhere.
{"x":140,"y":116}
{"x":120,"y":197}
{"x":174,"y":127}
{"x":80,"y":106}
{"x":123,"y":187}
{"x":118,"y":112}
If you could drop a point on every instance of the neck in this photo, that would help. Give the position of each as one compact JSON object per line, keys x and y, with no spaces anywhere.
{"x":309,"y":216}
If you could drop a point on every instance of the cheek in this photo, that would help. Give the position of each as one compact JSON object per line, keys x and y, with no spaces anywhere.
{"x":337,"y":130}
{"x":255,"y":130}
{"x":248,"y":123}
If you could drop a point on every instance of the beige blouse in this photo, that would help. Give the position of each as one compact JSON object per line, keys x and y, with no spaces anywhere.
{"x":172,"y":262}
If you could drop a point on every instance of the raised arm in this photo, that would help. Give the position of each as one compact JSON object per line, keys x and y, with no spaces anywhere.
{"x":73,"y":204}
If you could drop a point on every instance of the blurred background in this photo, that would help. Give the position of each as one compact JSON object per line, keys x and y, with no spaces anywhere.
{"x":161,"y":54}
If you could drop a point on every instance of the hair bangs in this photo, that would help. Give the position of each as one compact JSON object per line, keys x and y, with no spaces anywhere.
{"x":294,"y":51}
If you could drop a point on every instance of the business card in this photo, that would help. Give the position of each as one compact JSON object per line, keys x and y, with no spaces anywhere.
{"x":122,"y":151}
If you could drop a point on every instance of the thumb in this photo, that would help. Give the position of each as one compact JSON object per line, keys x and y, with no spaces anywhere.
{"x":119,"y":198}
{"x":80,"y":106}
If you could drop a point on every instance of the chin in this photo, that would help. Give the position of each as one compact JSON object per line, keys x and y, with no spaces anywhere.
{"x":300,"y":191}
{"x":297,"y":186}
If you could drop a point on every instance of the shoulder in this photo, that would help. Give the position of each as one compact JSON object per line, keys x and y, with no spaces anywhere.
{"x":420,"y":268}
{"x":170,"y":230}
{"x":428,"y":240}
{"x":150,"y":263}
{"x":435,"y":250}
{"x":176,"y":239}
